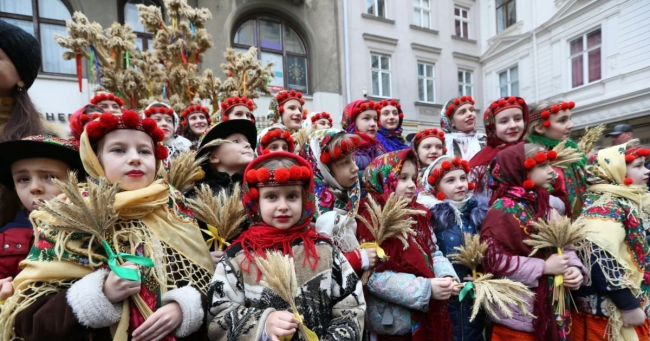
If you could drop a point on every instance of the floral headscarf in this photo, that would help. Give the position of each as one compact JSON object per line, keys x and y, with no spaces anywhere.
{"x":371,"y":148}
{"x":380,"y":177}
{"x":392,"y":140}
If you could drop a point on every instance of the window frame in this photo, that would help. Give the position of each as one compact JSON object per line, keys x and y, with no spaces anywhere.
{"x":422,"y":9}
{"x":585,"y":58}
{"x":423,"y":80}
{"x":382,"y":71}
{"x":258,"y":44}
{"x":145,"y":36}
{"x":464,"y":83}
{"x":376,"y":9}
{"x":36,"y":22}
{"x":509,"y":81}
{"x":462,"y":20}
{"x":505,"y":7}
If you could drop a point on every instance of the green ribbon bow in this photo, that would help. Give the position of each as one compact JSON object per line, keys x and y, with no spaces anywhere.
{"x":467,"y":288}
{"x":122,"y":272}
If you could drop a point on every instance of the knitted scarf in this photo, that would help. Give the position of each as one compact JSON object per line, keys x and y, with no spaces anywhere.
{"x":392,"y":140}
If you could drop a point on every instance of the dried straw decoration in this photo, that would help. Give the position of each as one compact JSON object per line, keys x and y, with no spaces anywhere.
{"x":300,"y":137}
{"x":471,"y":253}
{"x":592,"y":135}
{"x":185,"y":170}
{"x":565,"y":155}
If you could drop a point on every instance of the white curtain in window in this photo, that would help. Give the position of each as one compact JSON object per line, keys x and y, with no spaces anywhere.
{"x":53,"y":53}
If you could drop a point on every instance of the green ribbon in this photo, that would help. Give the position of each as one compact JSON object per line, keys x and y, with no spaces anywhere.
{"x":122,"y":272}
{"x":128,"y":60}
{"x":467,"y":288}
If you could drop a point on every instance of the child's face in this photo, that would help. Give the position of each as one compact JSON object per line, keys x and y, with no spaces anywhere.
{"x":389,"y":117}
{"x":198,"y":123}
{"x":345,"y":171}
{"x":454,"y":185}
{"x":509,"y":124}
{"x":232,"y":157}
{"x":278,"y":146}
{"x":128,"y":157}
{"x":406,"y":181}
{"x":240,"y":112}
{"x":323,"y":123}
{"x":542,"y":175}
{"x":166,"y":123}
{"x":110,"y":106}
{"x":366,"y":122}
{"x":464,"y":119}
{"x":33,"y":179}
{"x":292,"y":115}
{"x":560,"y":128}
{"x":429,"y":150}
{"x":281,"y":207}
{"x":637,"y":171}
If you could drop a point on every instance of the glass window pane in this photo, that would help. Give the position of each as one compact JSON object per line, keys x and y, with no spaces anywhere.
{"x":53,"y":9}
{"x":429,"y":70}
{"x":370,"y":7}
{"x":278,"y":67}
{"x":375,"y":83}
{"x":593,"y":39}
{"x":464,"y":13}
{"x":271,"y":35}
{"x":429,"y":90}
{"x":292,"y":42}
{"x":503,"y":90}
{"x":139,"y":42}
{"x":421,"y":90}
{"x":468,"y":77}
{"x":23,"y":7}
{"x":417,"y":18}
{"x":381,"y":8}
{"x":131,"y":17}
{"x":297,"y":73}
{"x":385,"y":63}
{"x":514,"y":74}
{"x":594,"y":65}
{"x":28,"y":26}
{"x":501,"y":22}
{"x":576,"y":46}
{"x":425,"y":19}
{"x":52,"y":52}
{"x":577,"y":71}
{"x":246,"y":33}
{"x":385,"y":84}
{"x":503,"y":79}
{"x":457,"y":27}
{"x":374,"y":61}
{"x":512,"y":15}
{"x":457,"y":11}
{"x":461,"y":77}
{"x":460,"y":90}
{"x":421,"y":69}
{"x":500,"y":2}
{"x":468,"y":90}
{"x":425,"y":3}
{"x":514,"y":89}
{"x":465,"y":30}
{"x":240,"y":50}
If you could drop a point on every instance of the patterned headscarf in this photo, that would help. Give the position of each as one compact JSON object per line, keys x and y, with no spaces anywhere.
{"x":392,"y":140}
{"x":371,"y":148}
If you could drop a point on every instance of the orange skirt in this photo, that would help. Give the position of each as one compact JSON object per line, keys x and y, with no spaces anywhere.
{"x":588,"y":327}
{"x":503,"y":333}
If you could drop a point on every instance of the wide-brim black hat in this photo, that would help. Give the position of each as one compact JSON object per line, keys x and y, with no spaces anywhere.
{"x":224,"y":129}
{"x":42,"y":147}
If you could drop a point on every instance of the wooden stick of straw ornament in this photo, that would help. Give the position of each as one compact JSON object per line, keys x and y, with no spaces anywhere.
{"x":393,"y":220}
{"x":279,"y":275}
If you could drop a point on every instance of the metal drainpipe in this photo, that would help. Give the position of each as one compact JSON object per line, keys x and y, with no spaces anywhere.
{"x":346,"y":47}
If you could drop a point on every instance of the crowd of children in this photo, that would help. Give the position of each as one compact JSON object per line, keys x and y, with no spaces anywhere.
{"x":106,"y":248}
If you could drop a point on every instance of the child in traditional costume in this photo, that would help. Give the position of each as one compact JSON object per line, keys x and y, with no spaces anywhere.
{"x":616,"y":304}
{"x":108,"y":102}
{"x":458,"y":121}
{"x":168,"y":122}
{"x":274,"y":139}
{"x":72,"y":287}
{"x":390,"y":125}
{"x":407,"y":293}
{"x":237,"y":108}
{"x":279,"y":201}
{"x":81,"y":117}
{"x":195,"y":120}
{"x":360,"y":118}
{"x":520,"y":177}
{"x":286,"y":109}
{"x":321,"y":120}
{"x":454,"y":211}
{"x":549,"y":125}
{"x":428,"y":145}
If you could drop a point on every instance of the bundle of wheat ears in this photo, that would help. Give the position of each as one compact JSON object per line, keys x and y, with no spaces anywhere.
{"x":223,"y":213}
{"x":393,"y":220}
{"x":558,"y":233}
{"x":93,"y":215}
{"x":185,"y":170}
{"x":490,"y":293}
{"x":592,"y":135}
{"x":566,"y":155}
{"x":279,"y":275}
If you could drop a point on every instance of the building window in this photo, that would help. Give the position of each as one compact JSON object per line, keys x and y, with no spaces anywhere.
{"x":465,"y":83}
{"x":461,"y":18}
{"x":276,"y":42}
{"x":376,"y":8}
{"x":426,"y":80}
{"x":506,"y":14}
{"x":42,"y":19}
{"x":129,"y":15}
{"x":509,"y":82}
{"x":421,"y":13}
{"x":380,"y":68}
{"x":585,"y":59}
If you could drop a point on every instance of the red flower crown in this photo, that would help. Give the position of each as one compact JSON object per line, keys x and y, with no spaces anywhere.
{"x":285,"y":96}
{"x":347,"y":146}
{"x":457,"y":102}
{"x":108,"y":122}
{"x":503,"y":104}
{"x":262,"y":177}
{"x":158,"y":110}
{"x":194,"y":109}
{"x":447,"y":166}
{"x":539,"y":159}
{"x":232,"y":102}
{"x":393,"y":102}
{"x":106,"y":97}
{"x":426,"y":133}
{"x":631,"y":155}
{"x":322,"y":115}
{"x":370,"y":105}
{"x":276,"y":134}
{"x":546,"y":113}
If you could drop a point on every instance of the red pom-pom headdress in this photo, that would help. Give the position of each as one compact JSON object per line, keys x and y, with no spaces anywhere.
{"x":294,"y":175}
{"x":232,"y":102}
{"x":426,"y":133}
{"x":456,"y":103}
{"x":545,"y":114}
{"x":539,"y":159}
{"x":322,"y":115}
{"x":285,"y":96}
{"x":347,"y":147}
{"x":391,"y":102}
{"x":503,"y":104}
{"x":108,"y":122}
{"x":158,"y":110}
{"x":195,"y":109}
{"x":370,"y":105}
{"x":445,"y":167}
{"x":635,"y":153}
{"x":100,"y":97}
{"x":273,"y":134}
